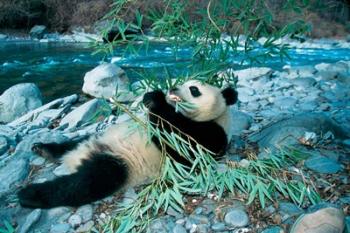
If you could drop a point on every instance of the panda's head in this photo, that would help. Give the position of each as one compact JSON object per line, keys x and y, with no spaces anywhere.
{"x":209,"y":102}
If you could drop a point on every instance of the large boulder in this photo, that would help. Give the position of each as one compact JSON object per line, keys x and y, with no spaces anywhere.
{"x":38,"y":31}
{"x":106,"y":81}
{"x":18,"y":100}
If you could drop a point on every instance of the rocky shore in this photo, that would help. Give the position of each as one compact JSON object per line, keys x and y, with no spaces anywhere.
{"x":306,"y":108}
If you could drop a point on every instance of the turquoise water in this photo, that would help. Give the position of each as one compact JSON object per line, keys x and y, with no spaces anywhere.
{"x":58,"y":68}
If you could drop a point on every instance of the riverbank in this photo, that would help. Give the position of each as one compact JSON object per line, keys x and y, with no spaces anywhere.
{"x":304,"y":107}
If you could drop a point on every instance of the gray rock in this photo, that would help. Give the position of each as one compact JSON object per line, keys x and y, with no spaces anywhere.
{"x":236,"y":218}
{"x":74,"y":220}
{"x":285,"y":102}
{"x":31,"y":219}
{"x":253,"y":73}
{"x":179,"y":229}
{"x":106,"y":81}
{"x":86,"y":227}
{"x":288,"y":209}
{"x":324,"y":220}
{"x":274,"y":229}
{"x":90,"y":112}
{"x":240,"y":122}
{"x":3,"y":145}
{"x":286,"y":132}
{"x":12,"y":173}
{"x":18,"y":100}
{"x":161,"y":225}
{"x":38,"y":161}
{"x":218,"y":226}
{"x":85,"y":212}
{"x":339,"y":70}
{"x":38,"y":31}
{"x":308,"y":106}
{"x":60,"y":228}
{"x":129,"y":196}
{"x":323,"y":165}
{"x":304,"y":83}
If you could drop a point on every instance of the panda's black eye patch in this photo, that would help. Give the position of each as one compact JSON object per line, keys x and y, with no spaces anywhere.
{"x":195,"y":91}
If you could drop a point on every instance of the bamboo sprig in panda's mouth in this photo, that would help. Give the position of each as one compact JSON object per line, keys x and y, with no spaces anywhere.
{"x":180,"y":104}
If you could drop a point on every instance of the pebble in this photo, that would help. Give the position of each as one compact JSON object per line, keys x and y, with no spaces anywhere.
{"x":38,"y":161}
{"x":236,"y":218}
{"x":31,"y":219}
{"x":85,"y":212}
{"x":218,"y":226}
{"x":274,"y":229}
{"x":179,"y":229}
{"x":86,"y":227}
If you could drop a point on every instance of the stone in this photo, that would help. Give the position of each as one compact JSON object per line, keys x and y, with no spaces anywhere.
{"x":288,"y":209}
{"x":38,"y":161}
{"x":12,"y":173}
{"x":274,"y":229}
{"x":85,"y":212}
{"x":322,"y":164}
{"x":31,"y":219}
{"x":129,"y":196}
{"x":285,"y":102}
{"x":347,"y":224}
{"x":304,"y":83}
{"x":18,"y":100}
{"x":324,"y":220}
{"x":253,"y":73}
{"x":179,"y":229}
{"x":86,"y":227}
{"x":3,"y":37}
{"x":3,"y":144}
{"x":61,"y":170}
{"x":240,"y":122}
{"x":92,"y":111}
{"x":60,"y":228}
{"x":236,"y":218}
{"x":74,"y":220}
{"x":308,"y":106}
{"x":106,"y":81}
{"x":38,"y":31}
{"x":287,"y":131}
{"x":218,"y":226}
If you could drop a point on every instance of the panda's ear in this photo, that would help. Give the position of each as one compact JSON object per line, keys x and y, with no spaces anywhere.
{"x":230,"y":95}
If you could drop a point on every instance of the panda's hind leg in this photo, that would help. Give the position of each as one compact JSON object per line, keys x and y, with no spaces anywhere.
{"x":97,"y":177}
{"x":53,"y":151}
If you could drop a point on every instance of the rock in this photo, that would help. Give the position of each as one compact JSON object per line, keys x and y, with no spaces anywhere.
{"x":31,"y":219}
{"x":288,"y":209}
{"x":74,"y":220}
{"x":86,"y":227}
{"x":240,"y":122}
{"x":18,"y":100}
{"x":161,"y":225}
{"x":179,"y":229}
{"x":218,"y":226}
{"x":274,"y":229}
{"x":287,"y":131}
{"x":105,"y":81}
{"x":129,"y":196}
{"x":308,"y":106}
{"x":13,"y":172}
{"x":322,"y":164}
{"x":85,"y":212}
{"x":347,"y":224}
{"x":60,"y":228}
{"x":253,"y":73}
{"x":93,"y":111}
{"x":38,"y":32}
{"x":61,"y":170}
{"x":38,"y":161}
{"x":324,"y":220}
{"x":346,"y":143}
{"x":285,"y":102}
{"x":3,"y":145}
{"x":236,"y":218}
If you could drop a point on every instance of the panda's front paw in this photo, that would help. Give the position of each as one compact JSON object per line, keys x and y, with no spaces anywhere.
{"x":32,"y":197}
{"x":154,"y":99}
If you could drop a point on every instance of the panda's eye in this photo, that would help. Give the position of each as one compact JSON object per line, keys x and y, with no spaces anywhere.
{"x":195,"y":91}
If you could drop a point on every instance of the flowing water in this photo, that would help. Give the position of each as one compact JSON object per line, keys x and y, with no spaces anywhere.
{"x":58,"y":68}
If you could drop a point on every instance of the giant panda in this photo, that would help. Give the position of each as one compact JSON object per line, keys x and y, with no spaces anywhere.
{"x":122,"y":157}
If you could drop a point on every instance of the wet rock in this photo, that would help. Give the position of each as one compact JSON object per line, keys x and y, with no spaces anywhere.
{"x":90,"y":112}
{"x":320,"y":220}
{"x":18,"y":100}
{"x":12,"y":173}
{"x":179,"y":229}
{"x":38,"y":31}
{"x":240,"y":122}
{"x":236,"y":218}
{"x":105,"y":81}
{"x":3,"y":145}
{"x":31,"y":219}
{"x":287,"y":131}
{"x":322,"y":164}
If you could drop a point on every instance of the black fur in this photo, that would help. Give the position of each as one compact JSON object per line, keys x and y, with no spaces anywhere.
{"x":230,"y":95}
{"x":208,"y":134}
{"x":95,"y":179}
